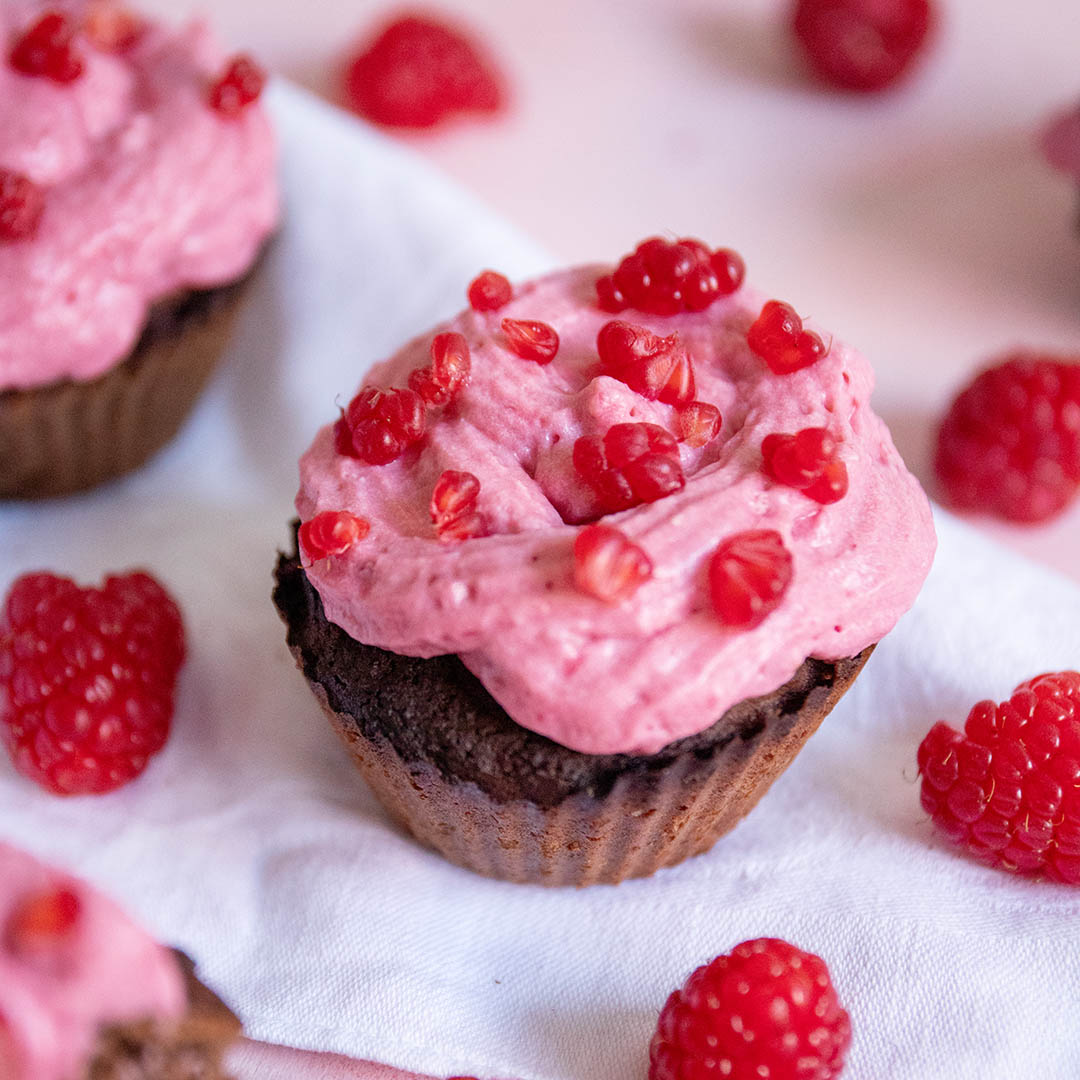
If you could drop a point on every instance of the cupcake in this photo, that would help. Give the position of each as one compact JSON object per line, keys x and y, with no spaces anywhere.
{"x":580,"y":571}
{"x":137,"y":190}
{"x":84,"y":992}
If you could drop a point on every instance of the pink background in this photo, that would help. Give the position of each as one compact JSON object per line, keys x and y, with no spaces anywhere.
{"x":922,"y":225}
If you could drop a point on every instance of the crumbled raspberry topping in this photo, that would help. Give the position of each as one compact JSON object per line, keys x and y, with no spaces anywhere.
{"x":748,"y":576}
{"x":22,"y":203}
{"x":47,"y":49}
{"x":531,"y":340}
{"x":418,"y":72}
{"x":43,"y":923}
{"x":489,"y":291}
{"x":658,"y":368}
{"x":777,"y":337}
{"x":443,"y":379}
{"x":630,"y":465}
{"x":862,"y":45}
{"x":238,"y":87}
{"x":87,"y":679}
{"x":607,"y":565}
{"x":807,"y":461}
{"x":699,"y":423}
{"x":1008,"y":788}
{"x":1010,"y":442}
{"x":663,"y":277}
{"x":380,"y":425}
{"x":453,"y":507}
{"x":331,"y":532}
{"x":766,"y":1011}
{"x":110,"y":27}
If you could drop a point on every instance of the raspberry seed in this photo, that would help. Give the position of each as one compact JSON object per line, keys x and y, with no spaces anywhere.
{"x":607,"y":565}
{"x":331,"y":532}
{"x":748,"y":576}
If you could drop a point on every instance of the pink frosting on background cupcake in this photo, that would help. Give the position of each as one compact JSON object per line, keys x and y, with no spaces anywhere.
{"x":1061,"y":142}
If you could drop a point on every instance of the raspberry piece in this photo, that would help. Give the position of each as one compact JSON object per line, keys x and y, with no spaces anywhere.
{"x":630,"y":465}
{"x":767,"y":1009}
{"x":418,"y":72}
{"x":110,"y":27}
{"x":22,"y":203}
{"x":657,"y":368}
{"x":1008,"y":788}
{"x":748,"y":576}
{"x":331,"y":532}
{"x":1010,"y":442}
{"x":664,"y":277}
{"x":238,"y":87}
{"x":777,"y":337}
{"x":380,"y":425}
{"x":43,"y":923}
{"x":47,"y":49}
{"x":10,"y":1058}
{"x":451,"y":364}
{"x":489,"y":291}
{"x":453,"y":507}
{"x":87,"y":679}
{"x":863,"y":45}
{"x":808,"y":462}
{"x":607,"y":565}
{"x":699,"y":423}
{"x":531,"y":340}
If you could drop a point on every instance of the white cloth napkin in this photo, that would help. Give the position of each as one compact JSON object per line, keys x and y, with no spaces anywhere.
{"x":253,"y":843}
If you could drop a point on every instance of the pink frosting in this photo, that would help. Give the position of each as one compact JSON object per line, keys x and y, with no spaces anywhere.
{"x":637,"y":675}
{"x":51,"y":1008}
{"x":1061,"y":142}
{"x":148,"y":191}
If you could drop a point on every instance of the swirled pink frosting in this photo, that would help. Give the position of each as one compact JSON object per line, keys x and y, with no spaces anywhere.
{"x":634,"y":676}
{"x":109,"y":971}
{"x":1061,"y":142}
{"x":148,"y":191}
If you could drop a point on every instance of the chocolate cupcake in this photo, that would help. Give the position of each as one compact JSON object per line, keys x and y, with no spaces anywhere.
{"x":578,"y":595}
{"x":137,"y":189}
{"x":85,"y":993}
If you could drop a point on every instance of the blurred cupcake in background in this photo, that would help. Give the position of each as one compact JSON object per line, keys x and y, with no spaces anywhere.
{"x":1061,"y":143}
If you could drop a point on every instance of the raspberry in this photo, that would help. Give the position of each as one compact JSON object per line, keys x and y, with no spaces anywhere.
{"x":699,"y":423}
{"x":87,"y":679}
{"x":47,"y":49}
{"x":662,"y":277}
{"x":748,"y":576}
{"x":380,"y":425}
{"x":489,"y":291}
{"x":630,"y":465}
{"x":657,"y":368}
{"x":1010,"y":442}
{"x":767,"y":1009}
{"x":1008,"y":788}
{"x":453,"y":507}
{"x":238,"y":87}
{"x":332,"y":532}
{"x":22,"y":203}
{"x":418,"y":72}
{"x":607,"y":565}
{"x":43,"y":923}
{"x":863,"y":45}
{"x":531,"y":340}
{"x":110,"y":27}
{"x":808,"y":462}
{"x":777,"y":337}
{"x":451,"y":364}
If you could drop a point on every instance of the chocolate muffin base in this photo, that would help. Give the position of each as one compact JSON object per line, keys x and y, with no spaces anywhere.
{"x":457,"y":772}
{"x":191,"y":1049}
{"x":69,"y":436}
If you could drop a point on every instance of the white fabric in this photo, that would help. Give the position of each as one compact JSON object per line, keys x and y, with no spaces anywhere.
{"x":253,"y":843}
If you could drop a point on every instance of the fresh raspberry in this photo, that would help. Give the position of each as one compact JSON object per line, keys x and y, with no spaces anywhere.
{"x":110,"y":27}
{"x":451,"y":365}
{"x":766,"y":1010}
{"x":87,"y":679}
{"x":47,"y":49}
{"x":380,"y":425}
{"x":531,"y":340}
{"x":863,"y":45}
{"x":748,"y":576}
{"x":1010,"y":442}
{"x":777,"y":337}
{"x":807,"y":461}
{"x":630,"y":465}
{"x":418,"y":72}
{"x":657,"y":368}
{"x":453,"y":507}
{"x":1008,"y":788}
{"x":607,"y":565}
{"x":22,"y":203}
{"x":43,"y":923}
{"x":699,"y":423}
{"x":663,"y":277}
{"x":489,"y":291}
{"x":238,"y":87}
{"x":331,"y":532}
